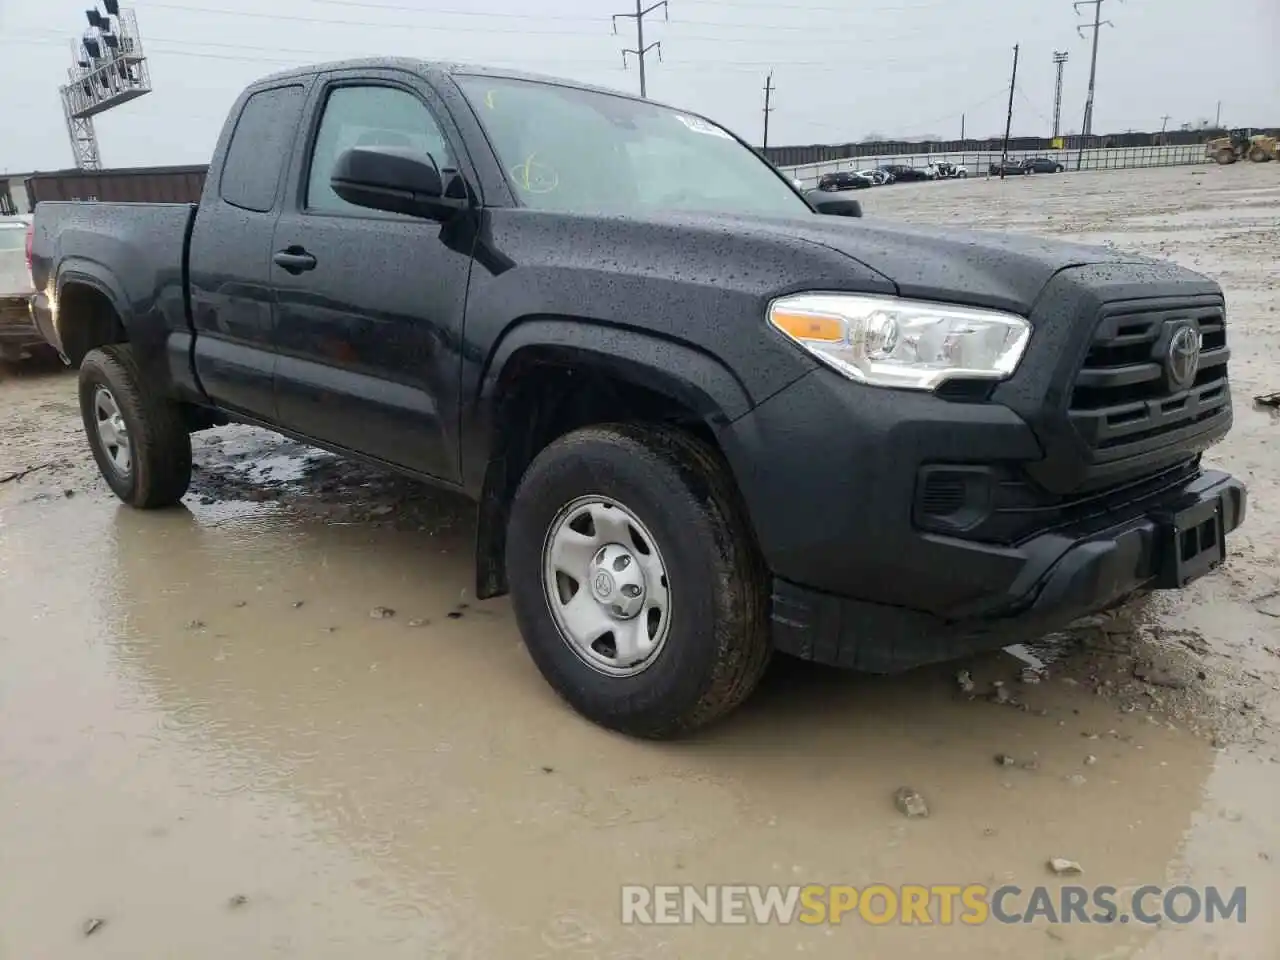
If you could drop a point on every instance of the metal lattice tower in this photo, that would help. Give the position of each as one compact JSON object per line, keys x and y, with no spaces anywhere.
{"x":1059,"y":58}
{"x":108,"y":68}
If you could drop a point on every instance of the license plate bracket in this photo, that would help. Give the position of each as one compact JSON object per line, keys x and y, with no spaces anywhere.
{"x":1192,"y":542}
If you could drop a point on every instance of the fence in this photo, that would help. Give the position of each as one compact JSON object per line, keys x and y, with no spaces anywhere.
{"x":979,"y":162}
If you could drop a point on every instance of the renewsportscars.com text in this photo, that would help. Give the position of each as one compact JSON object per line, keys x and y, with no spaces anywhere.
{"x":937,"y":904}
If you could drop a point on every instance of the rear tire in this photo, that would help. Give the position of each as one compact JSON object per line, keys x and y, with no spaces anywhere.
{"x":137,"y":435}
{"x":712,"y":584}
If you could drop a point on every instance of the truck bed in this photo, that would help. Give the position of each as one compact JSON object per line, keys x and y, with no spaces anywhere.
{"x":135,"y":254}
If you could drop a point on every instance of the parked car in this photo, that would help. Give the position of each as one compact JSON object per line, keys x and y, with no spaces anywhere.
{"x":902,"y":173}
{"x":18,"y":333}
{"x":1010,"y":168}
{"x":843,"y":180}
{"x":877,"y":176}
{"x":1042,"y":165}
{"x":878,"y":446}
{"x":945,"y":170}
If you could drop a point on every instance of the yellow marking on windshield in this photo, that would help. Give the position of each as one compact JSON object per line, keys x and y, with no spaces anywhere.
{"x":534,"y":177}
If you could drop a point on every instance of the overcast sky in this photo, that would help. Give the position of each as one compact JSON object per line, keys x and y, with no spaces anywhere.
{"x":842,"y":69}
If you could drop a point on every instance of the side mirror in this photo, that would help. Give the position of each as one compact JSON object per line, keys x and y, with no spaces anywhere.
{"x":835,"y":206}
{"x":395,"y":179}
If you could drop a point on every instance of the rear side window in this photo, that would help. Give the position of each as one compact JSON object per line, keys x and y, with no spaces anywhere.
{"x":259,"y":147}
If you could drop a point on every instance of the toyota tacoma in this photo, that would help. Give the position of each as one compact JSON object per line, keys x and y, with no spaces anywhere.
{"x":703,"y":422}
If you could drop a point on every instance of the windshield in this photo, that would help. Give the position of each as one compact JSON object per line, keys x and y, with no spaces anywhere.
{"x":578,"y":151}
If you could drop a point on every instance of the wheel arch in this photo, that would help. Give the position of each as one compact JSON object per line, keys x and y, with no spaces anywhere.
{"x":89,"y":310}
{"x":550,"y":375}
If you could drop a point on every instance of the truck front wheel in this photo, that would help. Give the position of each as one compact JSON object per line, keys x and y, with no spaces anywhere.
{"x":636,"y":581}
{"x":138,"y":437}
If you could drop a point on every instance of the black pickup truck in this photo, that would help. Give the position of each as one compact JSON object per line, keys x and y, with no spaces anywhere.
{"x":702,"y":422}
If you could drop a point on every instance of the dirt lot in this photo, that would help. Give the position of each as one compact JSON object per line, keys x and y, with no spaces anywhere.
{"x":208,"y":743}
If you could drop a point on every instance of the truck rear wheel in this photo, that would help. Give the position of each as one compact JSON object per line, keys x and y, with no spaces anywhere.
{"x":636,"y":581}
{"x":138,"y":438}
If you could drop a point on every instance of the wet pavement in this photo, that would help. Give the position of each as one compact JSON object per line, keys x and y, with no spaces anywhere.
{"x":276,"y":723}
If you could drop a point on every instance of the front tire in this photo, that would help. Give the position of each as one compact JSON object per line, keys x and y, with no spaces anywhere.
{"x":137,"y":436}
{"x":675,"y":634}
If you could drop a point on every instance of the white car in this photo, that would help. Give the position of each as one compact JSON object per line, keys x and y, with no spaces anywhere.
{"x":18,"y":333}
{"x":948,"y":171}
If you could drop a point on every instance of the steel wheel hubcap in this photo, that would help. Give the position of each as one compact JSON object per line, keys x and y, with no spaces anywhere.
{"x":113,"y":434}
{"x":606,"y":586}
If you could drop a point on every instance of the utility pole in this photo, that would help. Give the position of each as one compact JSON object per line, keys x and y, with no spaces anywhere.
{"x":640,"y":49}
{"x":1164,"y":122}
{"x":768,"y":94}
{"x":1217,"y":123}
{"x":1098,"y":24}
{"x":1059,"y":59}
{"x":1008,"y":121}
{"x":962,"y":128}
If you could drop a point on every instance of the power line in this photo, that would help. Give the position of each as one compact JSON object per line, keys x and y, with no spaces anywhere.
{"x":720,"y":24}
{"x":1098,"y":23}
{"x":640,"y":49}
{"x":810,"y":8}
{"x":752,"y":66}
{"x":805,"y":37}
{"x":1034,"y":109}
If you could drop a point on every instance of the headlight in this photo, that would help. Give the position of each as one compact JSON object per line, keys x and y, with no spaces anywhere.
{"x":912,"y":344}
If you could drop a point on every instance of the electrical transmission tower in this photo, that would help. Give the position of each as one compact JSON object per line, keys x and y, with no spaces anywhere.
{"x":1059,"y":59}
{"x":1096,"y":27}
{"x":640,"y":49}
{"x":108,"y":68}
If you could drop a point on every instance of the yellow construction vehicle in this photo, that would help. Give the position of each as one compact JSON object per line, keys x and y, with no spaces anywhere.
{"x":1263,"y":148}
{"x":1258,"y":148}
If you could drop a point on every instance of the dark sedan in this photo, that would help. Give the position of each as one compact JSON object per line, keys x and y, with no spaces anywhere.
{"x":845,"y":180}
{"x":902,"y":173}
{"x":1042,"y":165}
{"x":1010,"y":168}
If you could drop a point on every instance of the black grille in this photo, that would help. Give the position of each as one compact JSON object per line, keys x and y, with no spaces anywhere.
{"x":943,"y":495}
{"x":1123,"y":404}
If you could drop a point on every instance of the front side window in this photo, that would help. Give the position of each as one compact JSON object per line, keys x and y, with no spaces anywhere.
{"x":369,"y":116}
{"x":570,"y":150}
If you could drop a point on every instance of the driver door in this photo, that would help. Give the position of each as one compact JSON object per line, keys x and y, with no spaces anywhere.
{"x":369,"y":305}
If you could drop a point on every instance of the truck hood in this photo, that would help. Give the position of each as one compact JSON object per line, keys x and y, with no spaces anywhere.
{"x":998,"y":270}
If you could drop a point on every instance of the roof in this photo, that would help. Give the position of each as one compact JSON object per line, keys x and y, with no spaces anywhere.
{"x":429,"y":67}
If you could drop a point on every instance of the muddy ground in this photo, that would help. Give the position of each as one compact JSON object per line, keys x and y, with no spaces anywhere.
{"x":210,"y":745}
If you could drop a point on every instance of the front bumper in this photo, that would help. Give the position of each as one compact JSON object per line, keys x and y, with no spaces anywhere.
{"x":831,"y":476}
{"x":1063,"y":576}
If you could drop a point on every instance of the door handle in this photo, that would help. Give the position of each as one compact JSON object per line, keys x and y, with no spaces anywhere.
{"x":294,"y":259}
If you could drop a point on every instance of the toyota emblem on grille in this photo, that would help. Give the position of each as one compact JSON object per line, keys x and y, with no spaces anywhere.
{"x":1183,"y":361}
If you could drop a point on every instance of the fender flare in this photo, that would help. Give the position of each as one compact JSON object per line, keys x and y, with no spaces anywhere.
{"x":678,"y":370}
{"x":94,"y":275}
